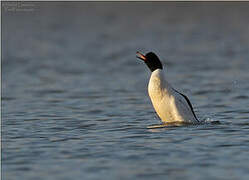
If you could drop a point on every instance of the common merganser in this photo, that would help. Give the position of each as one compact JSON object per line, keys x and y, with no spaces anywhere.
{"x":170,"y":105}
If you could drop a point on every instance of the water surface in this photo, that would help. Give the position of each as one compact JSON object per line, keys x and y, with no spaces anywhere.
{"x":74,"y":96}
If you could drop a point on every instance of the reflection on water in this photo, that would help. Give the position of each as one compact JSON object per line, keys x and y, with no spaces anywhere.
{"x":74,"y":96}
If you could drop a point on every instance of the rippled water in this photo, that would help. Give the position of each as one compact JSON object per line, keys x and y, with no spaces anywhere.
{"x":74,"y":97}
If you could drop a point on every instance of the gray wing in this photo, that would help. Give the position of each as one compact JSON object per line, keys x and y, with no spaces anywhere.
{"x":189,"y":103}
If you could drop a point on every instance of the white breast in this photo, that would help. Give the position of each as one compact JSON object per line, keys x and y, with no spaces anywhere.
{"x":169,"y":104}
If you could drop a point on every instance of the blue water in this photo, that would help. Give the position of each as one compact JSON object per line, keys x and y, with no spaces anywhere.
{"x":74,"y":96}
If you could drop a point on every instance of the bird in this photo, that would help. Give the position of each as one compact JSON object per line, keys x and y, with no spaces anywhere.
{"x":170,"y":105}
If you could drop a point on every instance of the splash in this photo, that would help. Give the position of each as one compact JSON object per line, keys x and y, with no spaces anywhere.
{"x":209,"y":120}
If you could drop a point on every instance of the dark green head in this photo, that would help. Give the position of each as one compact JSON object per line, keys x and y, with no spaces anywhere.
{"x":151,"y":60}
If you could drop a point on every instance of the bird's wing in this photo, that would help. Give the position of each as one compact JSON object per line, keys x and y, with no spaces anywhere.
{"x":188,"y":103}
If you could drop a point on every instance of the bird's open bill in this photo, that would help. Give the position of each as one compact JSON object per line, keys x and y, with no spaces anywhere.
{"x":141,"y":56}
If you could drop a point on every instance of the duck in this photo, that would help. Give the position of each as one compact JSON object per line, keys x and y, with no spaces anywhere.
{"x":170,"y":105}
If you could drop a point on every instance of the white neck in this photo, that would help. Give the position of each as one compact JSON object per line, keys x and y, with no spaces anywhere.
{"x":158,"y":86}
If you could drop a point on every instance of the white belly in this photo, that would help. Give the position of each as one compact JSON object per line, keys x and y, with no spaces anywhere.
{"x":169,"y":105}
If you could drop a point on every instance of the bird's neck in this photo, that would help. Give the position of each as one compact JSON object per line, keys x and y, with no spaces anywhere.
{"x":158,"y":85}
